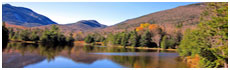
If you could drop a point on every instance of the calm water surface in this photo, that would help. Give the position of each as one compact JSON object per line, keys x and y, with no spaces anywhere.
{"x":22,"y":55}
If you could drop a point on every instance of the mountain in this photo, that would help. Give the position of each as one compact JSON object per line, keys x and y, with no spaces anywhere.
{"x":172,"y":22}
{"x":80,"y":26}
{"x":23,"y":16}
{"x":86,"y":24}
{"x":188,"y":15}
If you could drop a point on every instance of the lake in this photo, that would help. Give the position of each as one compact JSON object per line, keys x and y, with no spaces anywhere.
{"x":25,"y":55}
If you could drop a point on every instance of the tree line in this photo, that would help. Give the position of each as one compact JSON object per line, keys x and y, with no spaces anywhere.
{"x":141,"y":36}
{"x":130,"y":39}
{"x":52,"y":35}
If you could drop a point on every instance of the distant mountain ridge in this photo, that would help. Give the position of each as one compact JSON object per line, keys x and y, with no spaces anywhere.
{"x":88,"y":23}
{"x":23,"y":16}
{"x":82,"y":26}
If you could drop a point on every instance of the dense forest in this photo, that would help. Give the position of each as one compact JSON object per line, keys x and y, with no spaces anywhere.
{"x":140,"y":37}
{"x":51,"y":36}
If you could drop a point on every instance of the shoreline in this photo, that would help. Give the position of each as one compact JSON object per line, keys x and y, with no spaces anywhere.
{"x":146,"y":48}
{"x":129,"y":47}
{"x":82,"y":42}
{"x":21,"y":41}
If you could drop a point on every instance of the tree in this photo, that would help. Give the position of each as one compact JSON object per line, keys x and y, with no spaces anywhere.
{"x":24,"y":35}
{"x":70,"y":39}
{"x":143,"y":26}
{"x":124,"y":39}
{"x":34,"y":36}
{"x":11,"y":33}
{"x":117,"y":38}
{"x":139,"y":29}
{"x":134,"y":39}
{"x":168,"y":42}
{"x":145,"y":39}
{"x":53,"y":36}
{"x":89,"y":39}
{"x":15,"y":36}
{"x":163,"y":42}
{"x":97,"y":37}
{"x":5,"y":35}
{"x":45,"y":36}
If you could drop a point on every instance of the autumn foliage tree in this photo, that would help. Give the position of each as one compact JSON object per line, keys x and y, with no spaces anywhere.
{"x":155,"y":32}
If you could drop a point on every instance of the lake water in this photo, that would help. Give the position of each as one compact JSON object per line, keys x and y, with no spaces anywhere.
{"x":22,"y":55}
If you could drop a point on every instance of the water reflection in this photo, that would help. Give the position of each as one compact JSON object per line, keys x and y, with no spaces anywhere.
{"x":80,"y":56}
{"x":68,"y":63}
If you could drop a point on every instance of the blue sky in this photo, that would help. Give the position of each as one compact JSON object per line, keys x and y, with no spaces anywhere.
{"x":108,"y":13}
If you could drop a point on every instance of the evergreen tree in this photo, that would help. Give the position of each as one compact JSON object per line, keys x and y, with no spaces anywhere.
{"x":117,"y":38}
{"x":145,"y":39}
{"x":163,"y":42}
{"x":45,"y":36}
{"x":53,"y":36}
{"x":124,"y":39}
{"x":134,"y":39}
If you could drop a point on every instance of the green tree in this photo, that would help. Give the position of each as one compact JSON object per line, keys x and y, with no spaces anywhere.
{"x":97,"y":37}
{"x":146,"y":39}
{"x":163,"y":42}
{"x":134,"y":39}
{"x":53,"y":36}
{"x":89,"y":39}
{"x":117,"y":38}
{"x":24,"y":35}
{"x":45,"y":36}
{"x":124,"y":39}
{"x":34,"y":36}
{"x":168,"y":42}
